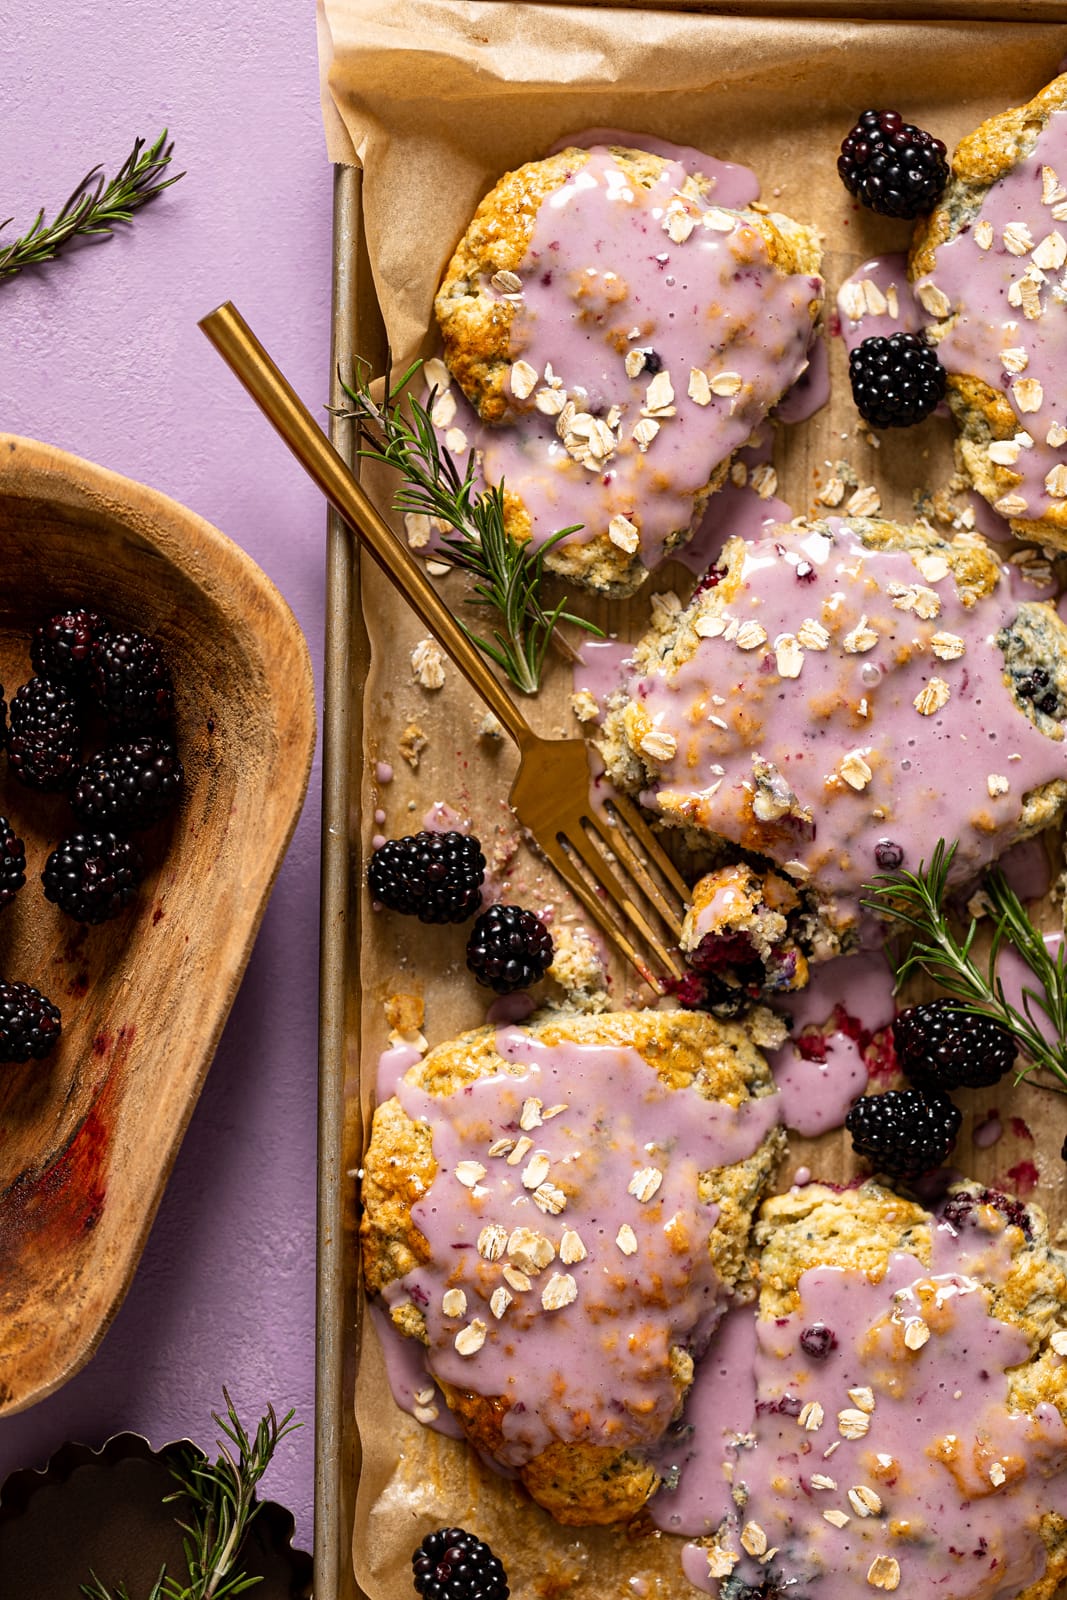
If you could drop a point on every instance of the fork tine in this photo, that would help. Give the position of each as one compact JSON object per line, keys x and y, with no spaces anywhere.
{"x":591,"y":857}
{"x":614,"y":839}
{"x":637,"y":825}
{"x":599,"y":911}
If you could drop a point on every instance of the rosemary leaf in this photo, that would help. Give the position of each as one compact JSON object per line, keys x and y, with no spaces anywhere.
{"x":94,"y":208}
{"x":508,"y":577}
{"x":222,"y":1495}
{"x":916,"y":900}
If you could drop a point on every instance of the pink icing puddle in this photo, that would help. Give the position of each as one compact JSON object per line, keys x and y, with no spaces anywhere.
{"x":441,"y":818}
{"x":811,"y":391}
{"x":383,"y":772}
{"x":508,"y":1008}
{"x":844,"y":758}
{"x":1003,"y":275}
{"x":1026,"y":868}
{"x":877,"y":300}
{"x":596,"y":1367}
{"x":819,"y":1078}
{"x":950,"y":1481}
{"x":1017,"y":978}
{"x":988,"y":1131}
{"x":392,"y":1065}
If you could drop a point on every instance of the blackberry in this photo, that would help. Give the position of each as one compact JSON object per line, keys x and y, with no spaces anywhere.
{"x":891,"y":166}
{"x":29,"y":1023}
{"x":128,"y":786}
{"x":436,"y":877}
{"x":818,"y":1341}
{"x":451,"y":1564}
{"x":905,"y":1132}
{"x":1035,"y":686}
{"x":941,"y":1047}
{"x":61,"y":648}
{"x":897,"y":381}
{"x":131,"y":680}
{"x":509,"y":948}
{"x":44,"y":741}
{"x":92,"y":876}
{"x":888,"y":855}
{"x":12,"y":863}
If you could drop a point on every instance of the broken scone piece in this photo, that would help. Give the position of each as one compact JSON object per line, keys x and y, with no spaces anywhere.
{"x":738,"y":938}
{"x":559,"y":1213}
{"x":988,"y":266}
{"x":909,"y":1398}
{"x":622,"y":323}
{"x":840,"y":695}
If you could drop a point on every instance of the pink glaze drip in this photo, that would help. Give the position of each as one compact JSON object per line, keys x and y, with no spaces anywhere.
{"x":941,"y":1421}
{"x":862,"y":984}
{"x":718,"y":1408}
{"x":889,"y":275}
{"x":736,"y":512}
{"x":731,"y":185}
{"x":405,"y":1366}
{"x":599,"y":668}
{"x":977,"y":283}
{"x":594,"y":1369}
{"x":844,"y":703}
{"x":509,"y":1008}
{"x":1026,"y":868}
{"x":392,"y":1065}
{"x":1017,"y":977}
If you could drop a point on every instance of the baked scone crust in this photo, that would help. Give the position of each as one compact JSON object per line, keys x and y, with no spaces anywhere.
{"x":984,"y":414}
{"x":578,"y":1482}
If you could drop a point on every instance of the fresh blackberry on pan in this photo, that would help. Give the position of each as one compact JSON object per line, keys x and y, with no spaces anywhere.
{"x":509,"y":948}
{"x":131,"y":680}
{"x":451,"y":1564}
{"x":904,"y":1132}
{"x":61,"y":648}
{"x":892,"y":166}
{"x":896,"y":381}
{"x":92,"y":876}
{"x":44,"y":739}
{"x":12,"y":863}
{"x":128,"y":786}
{"x":29,"y":1023}
{"x":940,"y":1047}
{"x":436,"y":877}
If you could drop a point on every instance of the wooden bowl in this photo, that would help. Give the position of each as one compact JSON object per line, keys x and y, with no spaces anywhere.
{"x":88,"y":1137}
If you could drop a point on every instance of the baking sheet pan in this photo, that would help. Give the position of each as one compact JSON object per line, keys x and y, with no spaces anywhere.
{"x":345,"y":833}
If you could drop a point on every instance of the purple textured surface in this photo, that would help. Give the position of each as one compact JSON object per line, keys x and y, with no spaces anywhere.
{"x":100,"y":354}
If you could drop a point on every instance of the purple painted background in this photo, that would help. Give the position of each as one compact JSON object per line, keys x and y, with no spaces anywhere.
{"x":100,"y":354}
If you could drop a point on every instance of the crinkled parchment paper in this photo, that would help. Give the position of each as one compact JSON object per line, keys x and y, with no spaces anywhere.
{"x":437,"y":98}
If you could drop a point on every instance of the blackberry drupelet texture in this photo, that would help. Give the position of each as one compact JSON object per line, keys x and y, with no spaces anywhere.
{"x":896,"y":382}
{"x":131,"y":680}
{"x":128,"y":786}
{"x":29,"y":1023}
{"x":61,"y":648}
{"x":436,"y":877}
{"x":942,"y":1048}
{"x":891,"y":166}
{"x":509,"y":947}
{"x":92,"y":876}
{"x":12,"y":863}
{"x":44,"y":741}
{"x":451,"y":1564}
{"x":905,"y":1132}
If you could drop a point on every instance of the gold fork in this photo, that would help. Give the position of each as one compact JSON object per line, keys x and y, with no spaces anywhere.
{"x":551,"y":792}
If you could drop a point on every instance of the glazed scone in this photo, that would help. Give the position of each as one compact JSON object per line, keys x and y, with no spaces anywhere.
{"x":622,"y":333}
{"x":559,"y":1213}
{"x":909,"y":1401}
{"x":987,"y":265}
{"x":839,"y":695}
{"x":742,"y":938}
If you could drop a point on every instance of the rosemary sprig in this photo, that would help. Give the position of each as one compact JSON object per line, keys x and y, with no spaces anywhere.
{"x":94,"y":208}
{"x":507,"y":576}
{"x":223,"y":1499}
{"x":917,"y":901}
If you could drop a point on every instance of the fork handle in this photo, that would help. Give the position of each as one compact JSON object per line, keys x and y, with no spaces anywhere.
{"x":280,"y":404}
